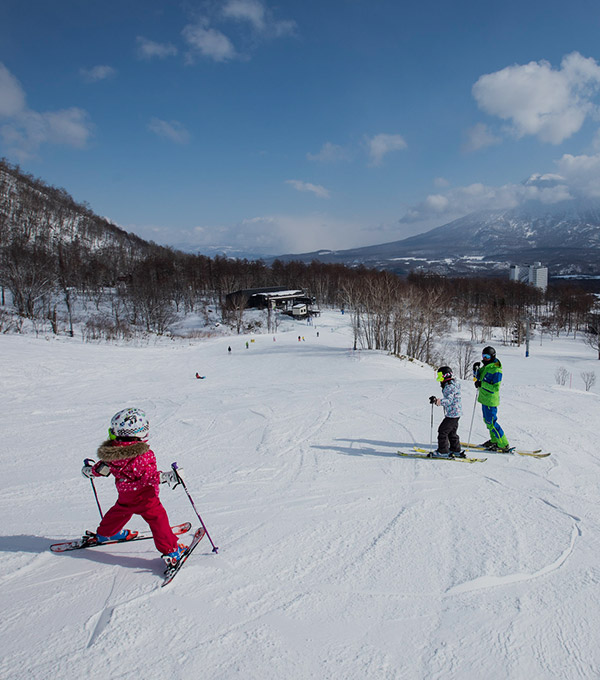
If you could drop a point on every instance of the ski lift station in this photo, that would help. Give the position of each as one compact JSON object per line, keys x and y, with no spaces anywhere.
{"x":291,"y":301}
{"x":300,"y":310}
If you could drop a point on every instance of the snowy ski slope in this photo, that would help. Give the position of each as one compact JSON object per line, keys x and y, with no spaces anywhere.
{"x":338,"y":559}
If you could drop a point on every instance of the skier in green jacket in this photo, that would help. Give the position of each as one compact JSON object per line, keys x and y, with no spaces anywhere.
{"x":487,"y":380}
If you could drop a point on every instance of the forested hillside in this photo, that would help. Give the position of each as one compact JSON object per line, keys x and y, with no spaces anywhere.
{"x":64,"y":269}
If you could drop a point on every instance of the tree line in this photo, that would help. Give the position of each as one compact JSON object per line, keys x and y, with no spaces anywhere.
{"x":56,"y":256}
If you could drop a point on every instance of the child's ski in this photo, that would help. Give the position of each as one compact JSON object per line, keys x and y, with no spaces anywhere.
{"x":469,"y":460}
{"x":536,"y":453}
{"x":89,"y":540}
{"x":425,"y":456}
{"x":171,"y":572}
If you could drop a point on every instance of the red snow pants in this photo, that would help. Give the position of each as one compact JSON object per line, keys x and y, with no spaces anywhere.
{"x":147,"y":504}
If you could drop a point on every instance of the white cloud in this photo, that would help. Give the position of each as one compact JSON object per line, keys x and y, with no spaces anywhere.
{"x":148,"y":49}
{"x":479,"y":137}
{"x":12,"y":97}
{"x":299,"y":233}
{"x":23,"y":130}
{"x":573,"y":177}
{"x":278,"y":234}
{"x":439,"y":209}
{"x":27,"y":131}
{"x":69,"y":126}
{"x":582,"y":173}
{"x":316,"y":189}
{"x":255,"y":23}
{"x":437,"y":203}
{"x":266,"y":234}
{"x":259,"y":17}
{"x":539,"y":100}
{"x":578,"y":166}
{"x":441,"y":182}
{"x":252,"y":11}
{"x":172,"y":130}
{"x":536,"y":100}
{"x":209,"y":42}
{"x":96,"y":73}
{"x":382,"y":144}
{"x":330,"y":153}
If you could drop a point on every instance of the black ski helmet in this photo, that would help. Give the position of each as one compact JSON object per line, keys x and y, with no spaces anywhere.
{"x":490,"y":351}
{"x":444,"y":373}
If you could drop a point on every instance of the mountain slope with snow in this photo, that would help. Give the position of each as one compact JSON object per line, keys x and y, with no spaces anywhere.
{"x":338,"y":559}
{"x":564,"y":235}
{"x":32,"y":212}
{"x":568,"y":224}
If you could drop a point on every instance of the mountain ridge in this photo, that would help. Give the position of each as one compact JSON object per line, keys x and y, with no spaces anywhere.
{"x":32,"y":211}
{"x":566,"y":236}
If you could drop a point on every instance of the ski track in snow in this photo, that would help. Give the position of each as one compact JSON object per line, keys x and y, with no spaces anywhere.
{"x":338,"y":559}
{"x":494,"y":581}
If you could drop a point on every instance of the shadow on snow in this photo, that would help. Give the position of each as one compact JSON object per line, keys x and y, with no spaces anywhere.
{"x":366,"y":451}
{"x":39,"y":545}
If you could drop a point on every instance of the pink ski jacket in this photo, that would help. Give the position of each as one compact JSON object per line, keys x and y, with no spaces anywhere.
{"x":133,"y":465}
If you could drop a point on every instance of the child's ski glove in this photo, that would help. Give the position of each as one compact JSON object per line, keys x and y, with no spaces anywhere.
{"x":92,"y":469}
{"x":478,"y":384}
{"x":171,"y":477}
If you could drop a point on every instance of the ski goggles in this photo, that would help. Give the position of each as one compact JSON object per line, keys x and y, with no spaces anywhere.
{"x":486,"y":356}
{"x":440,"y":377}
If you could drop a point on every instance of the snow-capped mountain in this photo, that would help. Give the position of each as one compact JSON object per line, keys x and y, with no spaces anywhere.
{"x":564,"y":235}
{"x":489,"y":233}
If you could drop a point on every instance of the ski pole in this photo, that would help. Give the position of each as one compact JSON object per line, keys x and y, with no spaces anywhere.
{"x":473,"y":416}
{"x":431,"y":431}
{"x":89,"y":461}
{"x":180,"y":479}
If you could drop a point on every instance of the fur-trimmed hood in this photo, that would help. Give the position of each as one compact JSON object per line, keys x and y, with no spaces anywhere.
{"x":111,"y":451}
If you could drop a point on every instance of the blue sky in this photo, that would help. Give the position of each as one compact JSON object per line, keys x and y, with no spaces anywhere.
{"x":285,"y":126}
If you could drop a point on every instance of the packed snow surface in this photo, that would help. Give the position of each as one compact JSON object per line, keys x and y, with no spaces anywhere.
{"x":338,"y":559}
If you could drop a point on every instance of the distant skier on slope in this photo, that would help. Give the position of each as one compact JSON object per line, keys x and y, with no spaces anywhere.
{"x":487,"y":380}
{"x":448,"y":439}
{"x":127,"y":455}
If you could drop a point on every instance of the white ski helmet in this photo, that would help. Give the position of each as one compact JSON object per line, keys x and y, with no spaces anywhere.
{"x":130,"y":422}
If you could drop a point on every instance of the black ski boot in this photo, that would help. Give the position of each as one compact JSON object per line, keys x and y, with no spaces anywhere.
{"x":458,"y":454}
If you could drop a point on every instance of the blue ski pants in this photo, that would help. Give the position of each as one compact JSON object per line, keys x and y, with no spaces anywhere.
{"x":490,"y":418}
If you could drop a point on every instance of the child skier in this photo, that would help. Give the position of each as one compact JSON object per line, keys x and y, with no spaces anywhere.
{"x":487,"y":381}
{"x":127,"y":455}
{"x":448,"y":439}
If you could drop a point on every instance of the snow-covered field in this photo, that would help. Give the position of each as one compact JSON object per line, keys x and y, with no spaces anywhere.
{"x":338,"y":559}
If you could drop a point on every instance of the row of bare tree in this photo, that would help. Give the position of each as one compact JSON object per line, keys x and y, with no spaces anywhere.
{"x":55,"y":252}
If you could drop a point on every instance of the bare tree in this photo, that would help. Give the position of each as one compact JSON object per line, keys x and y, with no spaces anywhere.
{"x":351,"y":302}
{"x":592,"y":334}
{"x":233,"y":311}
{"x":29,"y":275}
{"x":589,"y":379}
{"x":561,"y":375}
{"x":464,"y":354}
{"x":68,"y":266}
